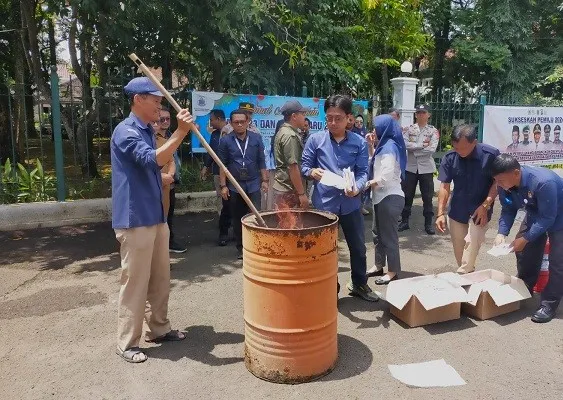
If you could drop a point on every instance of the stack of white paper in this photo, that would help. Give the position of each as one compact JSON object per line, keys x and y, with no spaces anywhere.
{"x":349,"y":180}
{"x":500,"y":250}
{"x":331,"y":179}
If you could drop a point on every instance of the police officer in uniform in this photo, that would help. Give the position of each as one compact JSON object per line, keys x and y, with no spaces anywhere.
{"x":421,"y":140}
{"x":540,"y":191}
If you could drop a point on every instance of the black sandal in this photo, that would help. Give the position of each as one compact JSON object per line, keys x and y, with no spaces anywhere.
{"x":129,"y":355}
{"x":172,"y":336}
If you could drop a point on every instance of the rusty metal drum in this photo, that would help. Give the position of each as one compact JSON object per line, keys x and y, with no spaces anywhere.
{"x":290,"y":310}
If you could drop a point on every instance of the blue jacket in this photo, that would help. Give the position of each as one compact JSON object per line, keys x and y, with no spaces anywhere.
{"x":541,"y":193}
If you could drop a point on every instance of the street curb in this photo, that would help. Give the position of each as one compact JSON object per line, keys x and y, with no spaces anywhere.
{"x":55,"y":214}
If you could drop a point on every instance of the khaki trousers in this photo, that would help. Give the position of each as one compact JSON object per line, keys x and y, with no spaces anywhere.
{"x":467,"y":240}
{"x":267,"y":199}
{"x":145,"y":284}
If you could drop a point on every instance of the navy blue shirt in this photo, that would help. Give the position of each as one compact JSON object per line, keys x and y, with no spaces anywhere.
{"x":214,"y":144}
{"x":135,"y":176}
{"x":472,"y":180}
{"x":254,"y":159}
{"x":322,"y":151}
{"x":541,"y":193}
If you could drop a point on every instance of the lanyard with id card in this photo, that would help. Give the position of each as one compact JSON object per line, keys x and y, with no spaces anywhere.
{"x":243,"y":171}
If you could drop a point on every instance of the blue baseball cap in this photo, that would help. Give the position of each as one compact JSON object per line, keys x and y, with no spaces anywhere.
{"x":142,"y":85}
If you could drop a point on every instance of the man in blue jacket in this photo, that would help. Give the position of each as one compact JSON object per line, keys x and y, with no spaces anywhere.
{"x":540,"y":192}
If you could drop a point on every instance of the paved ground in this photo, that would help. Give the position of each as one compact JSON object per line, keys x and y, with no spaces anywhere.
{"x":58,"y":316}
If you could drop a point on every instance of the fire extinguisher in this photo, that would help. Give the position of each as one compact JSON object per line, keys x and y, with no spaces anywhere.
{"x":544,"y":271}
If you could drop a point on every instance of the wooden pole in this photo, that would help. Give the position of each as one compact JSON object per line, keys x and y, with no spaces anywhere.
{"x":202,"y":140}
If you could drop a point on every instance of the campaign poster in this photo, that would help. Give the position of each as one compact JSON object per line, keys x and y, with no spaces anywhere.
{"x":531,"y":134}
{"x":267,"y":113}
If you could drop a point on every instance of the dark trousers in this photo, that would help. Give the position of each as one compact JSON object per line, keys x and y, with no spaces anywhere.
{"x":224,"y":220}
{"x":170,"y":217}
{"x":426,"y":190}
{"x":239,"y":209}
{"x":353,"y":227}
{"x":528,"y":264}
{"x":386,"y":235}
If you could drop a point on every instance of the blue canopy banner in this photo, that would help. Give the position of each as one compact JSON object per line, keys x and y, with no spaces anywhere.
{"x":266,"y":112}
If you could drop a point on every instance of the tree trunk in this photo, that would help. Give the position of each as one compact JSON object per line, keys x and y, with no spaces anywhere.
{"x":5,"y":137}
{"x":52,"y":43}
{"x":385,"y":81}
{"x":217,"y":76}
{"x":441,"y":45}
{"x":29,"y":35}
{"x":167,"y":72}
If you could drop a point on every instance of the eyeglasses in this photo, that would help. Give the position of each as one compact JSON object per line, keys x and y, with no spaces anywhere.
{"x":164,"y":119}
{"x":335,"y":118}
{"x":238,"y":122}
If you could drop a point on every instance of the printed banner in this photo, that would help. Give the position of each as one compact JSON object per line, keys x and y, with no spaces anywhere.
{"x":531,"y":134}
{"x":266,"y":113}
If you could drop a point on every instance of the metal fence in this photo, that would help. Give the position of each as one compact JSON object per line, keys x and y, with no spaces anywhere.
{"x":38,"y":164}
{"x":29,"y":149}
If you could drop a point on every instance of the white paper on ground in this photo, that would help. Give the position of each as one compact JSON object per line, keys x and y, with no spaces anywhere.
{"x":427,"y":374}
{"x":331,"y":179}
{"x":500,"y":250}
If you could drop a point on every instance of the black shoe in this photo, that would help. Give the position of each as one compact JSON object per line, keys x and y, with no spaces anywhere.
{"x":362,"y":291}
{"x":544,"y":314}
{"x":375,"y":271}
{"x":404,"y":225}
{"x":239,"y":254}
{"x":176,"y":248}
{"x":222,"y":242}
{"x":429,"y":228}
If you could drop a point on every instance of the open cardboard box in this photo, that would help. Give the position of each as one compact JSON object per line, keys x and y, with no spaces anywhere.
{"x":493,"y":293}
{"x":428,"y":299}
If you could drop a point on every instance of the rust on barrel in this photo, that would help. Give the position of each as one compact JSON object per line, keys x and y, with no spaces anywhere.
{"x":290,"y":295}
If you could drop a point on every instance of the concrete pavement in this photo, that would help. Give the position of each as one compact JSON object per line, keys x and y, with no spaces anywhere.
{"x":58,"y":317}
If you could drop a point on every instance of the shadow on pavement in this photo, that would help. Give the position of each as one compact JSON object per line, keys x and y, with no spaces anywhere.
{"x":55,"y":248}
{"x":354,"y":358}
{"x":199,"y":344}
{"x":461,"y":324}
{"x":93,"y":247}
{"x":348,"y":305}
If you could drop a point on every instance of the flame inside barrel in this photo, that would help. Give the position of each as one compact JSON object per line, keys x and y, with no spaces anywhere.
{"x":288,"y":219}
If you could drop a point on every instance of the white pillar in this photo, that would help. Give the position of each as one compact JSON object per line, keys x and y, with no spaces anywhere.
{"x":404,"y":96}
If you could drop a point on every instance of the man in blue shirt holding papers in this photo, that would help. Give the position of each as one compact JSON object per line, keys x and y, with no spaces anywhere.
{"x":335,"y":150}
{"x":540,"y":192}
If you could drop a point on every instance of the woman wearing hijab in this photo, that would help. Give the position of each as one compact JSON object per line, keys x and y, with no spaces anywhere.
{"x":387,"y":168}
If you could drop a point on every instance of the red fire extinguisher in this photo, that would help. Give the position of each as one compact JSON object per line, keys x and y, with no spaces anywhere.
{"x":544,"y":271}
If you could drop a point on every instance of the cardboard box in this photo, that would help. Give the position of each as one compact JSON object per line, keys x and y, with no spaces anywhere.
{"x":427,"y":300}
{"x":493,"y":293}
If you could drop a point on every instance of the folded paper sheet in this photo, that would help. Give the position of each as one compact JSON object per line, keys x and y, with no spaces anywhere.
{"x":427,"y":374}
{"x":331,"y":179}
{"x":500,"y":250}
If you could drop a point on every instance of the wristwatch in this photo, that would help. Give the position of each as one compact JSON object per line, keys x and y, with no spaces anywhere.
{"x":486,"y":205}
